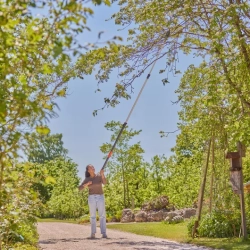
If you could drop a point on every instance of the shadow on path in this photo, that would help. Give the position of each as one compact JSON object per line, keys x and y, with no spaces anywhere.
{"x":150,"y":244}
{"x":141,"y":245}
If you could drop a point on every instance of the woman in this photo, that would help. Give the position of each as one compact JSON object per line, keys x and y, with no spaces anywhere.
{"x":96,"y":198}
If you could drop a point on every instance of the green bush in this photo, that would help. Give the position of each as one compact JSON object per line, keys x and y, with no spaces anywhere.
{"x":19,"y":207}
{"x":137,"y":209}
{"x":218,"y":224}
{"x":29,"y":232}
{"x":84,"y":219}
{"x":24,"y":231}
{"x":20,"y":246}
{"x":118,"y":215}
{"x":109,"y":218}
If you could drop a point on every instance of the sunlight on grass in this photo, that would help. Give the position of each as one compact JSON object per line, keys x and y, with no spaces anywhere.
{"x":56,"y":220}
{"x":226,"y":244}
{"x":176,"y":232}
{"x":179,"y":232}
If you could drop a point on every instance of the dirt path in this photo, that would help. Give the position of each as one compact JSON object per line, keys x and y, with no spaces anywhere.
{"x":65,"y":236}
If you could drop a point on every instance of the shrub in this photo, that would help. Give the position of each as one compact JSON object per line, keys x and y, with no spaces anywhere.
{"x":118,"y":215}
{"x":20,"y":246}
{"x":218,"y":224}
{"x":84,"y":219}
{"x":137,"y":209}
{"x":19,"y":207}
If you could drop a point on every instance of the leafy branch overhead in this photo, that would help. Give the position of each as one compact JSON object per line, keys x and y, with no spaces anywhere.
{"x":35,"y":62}
{"x":217,"y":32}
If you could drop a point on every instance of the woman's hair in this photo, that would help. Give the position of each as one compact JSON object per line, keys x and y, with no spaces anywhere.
{"x":87,"y":174}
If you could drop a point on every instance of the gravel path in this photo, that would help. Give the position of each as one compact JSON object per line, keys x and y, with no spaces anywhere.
{"x":66,"y":236}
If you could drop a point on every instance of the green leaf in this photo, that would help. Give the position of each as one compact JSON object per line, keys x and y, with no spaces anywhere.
{"x":43,"y":130}
{"x":50,"y":180}
{"x":62,"y":92}
{"x":47,"y":69}
{"x":48,"y":106}
{"x":57,"y":50}
{"x":14,"y":175}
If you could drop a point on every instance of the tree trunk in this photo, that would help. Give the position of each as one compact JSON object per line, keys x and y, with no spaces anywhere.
{"x":124,"y":187}
{"x":201,"y":194}
{"x":1,"y":185}
{"x":212,"y":179}
{"x":128,"y":199}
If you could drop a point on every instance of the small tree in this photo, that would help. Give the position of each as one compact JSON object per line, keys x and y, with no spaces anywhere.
{"x":124,"y":169}
{"x":42,"y":148}
{"x":65,"y":200}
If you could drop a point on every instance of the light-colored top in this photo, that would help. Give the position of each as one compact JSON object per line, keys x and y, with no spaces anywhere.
{"x":96,"y":186}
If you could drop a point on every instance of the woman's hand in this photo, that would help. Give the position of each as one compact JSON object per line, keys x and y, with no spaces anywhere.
{"x":85,"y":185}
{"x":88,"y":183}
{"x":104,"y":181}
{"x":102,"y":172}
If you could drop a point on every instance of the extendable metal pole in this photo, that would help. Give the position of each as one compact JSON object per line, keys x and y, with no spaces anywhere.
{"x":125,"y":123}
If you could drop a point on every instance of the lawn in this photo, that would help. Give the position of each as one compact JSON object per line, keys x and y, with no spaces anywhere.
{"x":56,"y":220}
{"x":178,"y":232}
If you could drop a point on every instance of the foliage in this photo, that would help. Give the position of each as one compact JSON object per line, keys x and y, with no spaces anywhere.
{"x":47,"y":174}
{"x":218,"y":224}
{"x":118,"y":215}
{"x":214,"y":31}
{"x":159,"y":171}
{"x":125,"y":170}
{"x":35,"y":64}
{"x":25,"y":232}
{"x":182,"y":184}
{"x":131,"y":181}
{"x":19,"y":205}
{"x":65,"y":200}
{"x":83,"y":219}
{"x":21,"y":246}
{"x":42,"y":148}
{"x":35,"y":67}
{"x":114,"y":216}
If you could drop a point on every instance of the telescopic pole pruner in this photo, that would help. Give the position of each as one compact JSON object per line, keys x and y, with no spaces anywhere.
{"x":126,"y":122}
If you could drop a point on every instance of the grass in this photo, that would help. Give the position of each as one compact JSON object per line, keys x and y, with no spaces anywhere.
{"x":226,"y":244}
{"x":179,"y":233}
{"x":56,"y":220}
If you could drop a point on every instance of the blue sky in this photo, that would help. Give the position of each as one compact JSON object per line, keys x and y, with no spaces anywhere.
{"x":83,"y":134}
